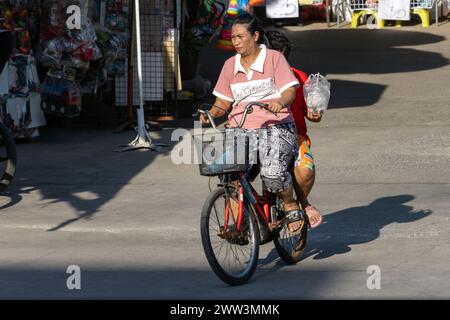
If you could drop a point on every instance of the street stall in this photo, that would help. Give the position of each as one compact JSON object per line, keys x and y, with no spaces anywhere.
{"x":70,"y":54}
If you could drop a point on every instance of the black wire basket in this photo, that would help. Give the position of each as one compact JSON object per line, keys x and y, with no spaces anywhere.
{"x":222,"y":152}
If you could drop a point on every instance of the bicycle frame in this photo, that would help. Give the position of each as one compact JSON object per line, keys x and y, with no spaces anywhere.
{"x":260,"y":203}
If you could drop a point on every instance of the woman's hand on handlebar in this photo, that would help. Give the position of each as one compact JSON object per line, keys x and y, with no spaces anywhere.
{"x":204,"y":118}
{"x":275,"y":106}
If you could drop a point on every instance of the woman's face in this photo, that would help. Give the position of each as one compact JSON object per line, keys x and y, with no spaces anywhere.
{"x":243,"y":41}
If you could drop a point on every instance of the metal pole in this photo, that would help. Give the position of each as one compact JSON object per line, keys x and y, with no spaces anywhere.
{"x":140,"y":112}
{"x":143,"y":140}
{"x":437,"y":2}
{"x":338,"y":13}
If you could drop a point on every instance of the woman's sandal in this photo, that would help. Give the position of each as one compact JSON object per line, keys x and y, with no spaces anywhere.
{"x":296,"y":215}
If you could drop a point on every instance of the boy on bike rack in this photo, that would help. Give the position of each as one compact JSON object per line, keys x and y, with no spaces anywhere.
{"x":304,"y":170}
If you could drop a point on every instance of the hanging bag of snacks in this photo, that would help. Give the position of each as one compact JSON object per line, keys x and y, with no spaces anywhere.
{"x":317,"y":93}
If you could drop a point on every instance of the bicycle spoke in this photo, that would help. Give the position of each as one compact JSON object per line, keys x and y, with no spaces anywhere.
{"x":244,"y":250}
{"x":228,"y":256}
{"x":235,"y":254}
{"x":215,"y":212}
{"x":244,"y":255}
{"x":221,"y":246}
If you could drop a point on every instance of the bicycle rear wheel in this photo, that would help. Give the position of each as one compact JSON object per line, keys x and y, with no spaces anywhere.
{"x":289,"y":246}
{"x":8,"y":157}
{"x":232,"y":255}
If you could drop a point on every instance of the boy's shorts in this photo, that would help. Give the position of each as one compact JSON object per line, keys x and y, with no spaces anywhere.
{"x":304,"y":158}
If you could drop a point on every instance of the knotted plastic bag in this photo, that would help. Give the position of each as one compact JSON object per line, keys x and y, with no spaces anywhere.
{"x":317,"y":93}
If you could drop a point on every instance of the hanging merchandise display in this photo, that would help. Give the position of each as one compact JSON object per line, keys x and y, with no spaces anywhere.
{"x":210,"y":17}
{"x":112,"y":35}
{"x":65,"y":52}
{"x":111,"y":32}
{"x":224,"y":41}
{"x":84,"y":59}
{"x":78,"y":52}
{"x":19,"y":81}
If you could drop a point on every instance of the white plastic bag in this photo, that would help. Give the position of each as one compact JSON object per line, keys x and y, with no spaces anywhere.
{"x":317,"y":93}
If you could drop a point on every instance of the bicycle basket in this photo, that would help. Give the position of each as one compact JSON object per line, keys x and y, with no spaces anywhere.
{"x":222,"y":152}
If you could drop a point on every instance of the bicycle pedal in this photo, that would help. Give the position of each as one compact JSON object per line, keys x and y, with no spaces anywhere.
{"x":233,"y":236}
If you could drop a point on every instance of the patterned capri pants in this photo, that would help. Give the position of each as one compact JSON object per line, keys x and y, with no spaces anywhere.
{"x":276,"y":147}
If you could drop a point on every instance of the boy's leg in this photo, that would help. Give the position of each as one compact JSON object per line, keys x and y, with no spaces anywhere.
{"x":304,"y":173}
{"x":303,"y":184}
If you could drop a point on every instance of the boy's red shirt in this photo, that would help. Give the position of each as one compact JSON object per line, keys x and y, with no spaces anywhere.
{"x":298,"y":108}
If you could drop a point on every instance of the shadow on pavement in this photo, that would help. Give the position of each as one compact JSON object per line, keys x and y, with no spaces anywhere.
{"x":77,"y":168}
{"x":173,"y":283}
{"x":362,"y":94}
{"x":342,"y":229}
{"x":364,"y":51}
{"x":10,"y":198}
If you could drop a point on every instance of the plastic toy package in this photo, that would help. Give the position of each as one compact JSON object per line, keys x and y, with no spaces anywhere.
{"x":316,"y":91}
{"x":52,"y":52}
{"x":114,"y":36}
{"x":114,"y":50}
{"x":116,"y":15}
{"x":61,"y":97}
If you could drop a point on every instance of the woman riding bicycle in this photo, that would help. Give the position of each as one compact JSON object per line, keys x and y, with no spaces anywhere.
{"x":256,"y":73}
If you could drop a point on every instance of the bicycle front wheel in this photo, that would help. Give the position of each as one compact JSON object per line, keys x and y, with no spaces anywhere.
{"x":8,"y":157}
{"x":232,"y":254}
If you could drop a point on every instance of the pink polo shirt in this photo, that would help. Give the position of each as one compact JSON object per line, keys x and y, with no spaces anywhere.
{"x":266,"y":79}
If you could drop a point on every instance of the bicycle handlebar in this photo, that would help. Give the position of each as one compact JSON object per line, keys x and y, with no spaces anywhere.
{"x":248,"y":109}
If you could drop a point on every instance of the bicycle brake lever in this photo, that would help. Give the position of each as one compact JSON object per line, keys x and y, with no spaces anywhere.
{"x":197,"y":113}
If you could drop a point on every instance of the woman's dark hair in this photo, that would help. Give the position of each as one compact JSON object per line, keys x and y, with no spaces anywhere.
{"x":252,"y":23}
{"x":278,"y":41}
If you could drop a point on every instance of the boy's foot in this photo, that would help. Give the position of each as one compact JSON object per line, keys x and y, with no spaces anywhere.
{"x":314,"y":216}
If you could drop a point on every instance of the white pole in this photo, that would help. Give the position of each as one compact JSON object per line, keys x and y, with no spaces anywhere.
{"x":143,"y":139}
{"x":140,"y":111}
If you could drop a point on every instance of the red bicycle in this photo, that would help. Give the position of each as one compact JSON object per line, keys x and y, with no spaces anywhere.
{"x":235,"y":219}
